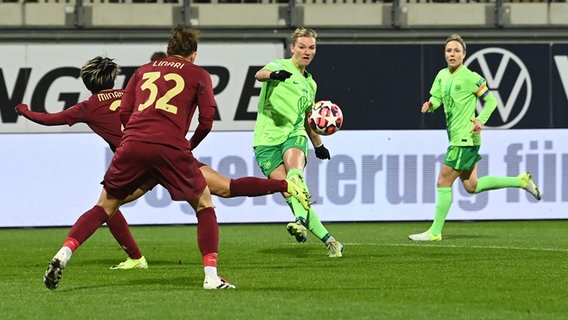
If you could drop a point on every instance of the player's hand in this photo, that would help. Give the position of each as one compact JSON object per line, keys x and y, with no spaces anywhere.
{"x":280,"y":75}
{"x":426,"y":106}
{"x":22,"y":108}
{"x":476,"y":126}
{"x":322,"y":153}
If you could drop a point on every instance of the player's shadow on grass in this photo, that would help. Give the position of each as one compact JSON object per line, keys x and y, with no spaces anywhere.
{"x":466,"y":236}
{"x":151,"y":262}
{"x":299,"y":250}
{"x":142,"y":281}
{"x":165,"y":281}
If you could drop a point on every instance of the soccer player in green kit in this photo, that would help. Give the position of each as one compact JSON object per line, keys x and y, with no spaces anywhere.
{"x":458,"y":88}
{"x":280,"y":143}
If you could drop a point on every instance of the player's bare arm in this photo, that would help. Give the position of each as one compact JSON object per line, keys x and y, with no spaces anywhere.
{"x":262,"y":75}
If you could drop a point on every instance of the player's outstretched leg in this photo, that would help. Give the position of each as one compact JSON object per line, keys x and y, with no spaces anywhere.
{"x":297,"y":189}
{"x":528,"y":184}
{"x":523,"y":181}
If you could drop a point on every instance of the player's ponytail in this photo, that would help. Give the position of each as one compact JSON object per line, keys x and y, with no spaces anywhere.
{"x":183,"y":41}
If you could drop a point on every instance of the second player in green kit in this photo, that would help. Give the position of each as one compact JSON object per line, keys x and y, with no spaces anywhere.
{"x":282,"y":131}
{"x":457,"y":88}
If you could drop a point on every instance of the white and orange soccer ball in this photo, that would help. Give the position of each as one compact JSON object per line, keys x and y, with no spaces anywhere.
{"x":325,"y":118}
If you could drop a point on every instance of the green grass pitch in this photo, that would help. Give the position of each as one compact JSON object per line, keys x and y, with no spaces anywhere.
{"x":481,"y":270}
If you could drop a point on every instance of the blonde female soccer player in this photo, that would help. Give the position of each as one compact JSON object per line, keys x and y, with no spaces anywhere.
{"x":282,"y":131}
{"x":457,"y":88}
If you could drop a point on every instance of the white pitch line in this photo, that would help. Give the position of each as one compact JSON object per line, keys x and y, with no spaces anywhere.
{"x":456,"y":246}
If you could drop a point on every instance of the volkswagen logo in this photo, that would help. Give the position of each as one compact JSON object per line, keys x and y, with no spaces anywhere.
{"x":508,"y":79}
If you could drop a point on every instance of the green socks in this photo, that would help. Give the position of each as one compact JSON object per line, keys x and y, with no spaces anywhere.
{"x":444,"y":200}
{"x":297,"y":209}
{"x":316,"y":227}
{"x":309,"y":219}
{"x":443,"y":204}
{"x":492,"y":183}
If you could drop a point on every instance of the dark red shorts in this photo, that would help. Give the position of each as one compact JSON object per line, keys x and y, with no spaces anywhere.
{"x":136,"y":164}
{"x":150,"y":184}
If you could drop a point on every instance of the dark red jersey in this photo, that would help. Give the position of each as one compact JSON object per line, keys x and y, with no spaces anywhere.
{"x":99,"y":112}
{"x":160,"y":100}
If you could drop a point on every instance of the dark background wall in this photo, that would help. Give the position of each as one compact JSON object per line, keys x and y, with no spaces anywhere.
{"x":383,"y":86}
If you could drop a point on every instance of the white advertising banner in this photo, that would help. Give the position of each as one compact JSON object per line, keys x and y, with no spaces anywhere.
{"x":46,"y":77}
{"x":51,"y":179}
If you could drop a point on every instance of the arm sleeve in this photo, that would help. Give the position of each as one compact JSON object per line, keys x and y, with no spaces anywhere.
{"x":435,"y":94}
{"x":127,"y":102}
{"x":206,"y":104}
{"x":436,"y":103}
{"x":69,"y":116}
{"x":271,"y":66}
{"x":489,"y":101}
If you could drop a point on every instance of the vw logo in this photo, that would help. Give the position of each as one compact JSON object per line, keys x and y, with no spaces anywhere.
{"x":512,"y":102}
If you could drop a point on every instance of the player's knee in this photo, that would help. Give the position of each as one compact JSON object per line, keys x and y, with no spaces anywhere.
{"x":109,"y":208}
{"x":470,"y":188}
{"x":223,"y":193}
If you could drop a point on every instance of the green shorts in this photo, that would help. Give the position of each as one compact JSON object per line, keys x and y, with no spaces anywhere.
{"x":270,"y":157}
{"x":462,"y":158}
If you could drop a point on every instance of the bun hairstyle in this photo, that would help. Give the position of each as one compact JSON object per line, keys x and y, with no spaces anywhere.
{"x":183,"y":41}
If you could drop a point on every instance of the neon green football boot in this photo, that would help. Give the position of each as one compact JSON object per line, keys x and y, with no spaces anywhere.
{"x":132,"y":264}
{"x":297,"y":189}
{"x":529,"y":185}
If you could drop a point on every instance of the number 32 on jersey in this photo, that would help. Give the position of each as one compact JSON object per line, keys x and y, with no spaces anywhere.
{"x":163,"y":101}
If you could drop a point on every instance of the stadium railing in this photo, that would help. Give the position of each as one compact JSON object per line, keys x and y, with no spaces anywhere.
{"x":387,"y":14}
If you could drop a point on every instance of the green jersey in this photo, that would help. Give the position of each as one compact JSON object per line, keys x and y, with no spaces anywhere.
{"x":283,"y":105}
{"x":458,"y":92}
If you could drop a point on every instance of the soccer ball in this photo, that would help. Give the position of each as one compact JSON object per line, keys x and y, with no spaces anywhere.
{"x":325,"y":118}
